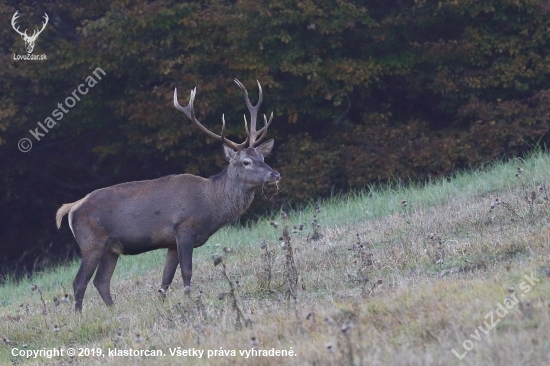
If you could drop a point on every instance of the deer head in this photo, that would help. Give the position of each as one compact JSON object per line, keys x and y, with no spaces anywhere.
{"x":246,"y":163}
{"x":29,"y":40}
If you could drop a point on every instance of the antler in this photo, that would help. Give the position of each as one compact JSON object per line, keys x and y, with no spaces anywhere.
{"x":24,"y":34}
{"x":15,"y":16}
{"x":35,"y":34}
{"x":190,"y":113}
{"x":253,"y":134}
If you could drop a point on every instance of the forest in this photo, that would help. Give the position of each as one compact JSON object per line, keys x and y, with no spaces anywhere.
{"x":363,"y":93}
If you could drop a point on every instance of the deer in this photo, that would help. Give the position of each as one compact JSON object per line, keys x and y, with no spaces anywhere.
{"x":29,"y":40}
{"x":175,"y":212}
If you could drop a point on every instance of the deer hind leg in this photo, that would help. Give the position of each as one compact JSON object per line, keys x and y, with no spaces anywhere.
{"x":93,"y":242}
{"x":89,"y":263}
{"x":102,"y":279}
{"x":170,"y":266}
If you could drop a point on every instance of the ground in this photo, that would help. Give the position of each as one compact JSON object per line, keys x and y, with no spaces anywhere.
{"x":451,"y":272}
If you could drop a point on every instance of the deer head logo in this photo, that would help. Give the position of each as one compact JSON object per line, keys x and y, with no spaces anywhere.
{"x":29,"y":40}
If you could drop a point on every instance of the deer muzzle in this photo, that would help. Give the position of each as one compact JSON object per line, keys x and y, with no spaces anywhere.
{"x":273,"y":176}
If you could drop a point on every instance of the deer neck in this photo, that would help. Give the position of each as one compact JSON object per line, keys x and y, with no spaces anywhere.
{"x":234,"y":197}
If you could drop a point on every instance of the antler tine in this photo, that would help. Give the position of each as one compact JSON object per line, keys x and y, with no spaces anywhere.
{"x":246,"y":126}
{"x":189,"y":111}
{"x":263,"y":130}
{"x":253,"y":134}
{"x":231,"y":143}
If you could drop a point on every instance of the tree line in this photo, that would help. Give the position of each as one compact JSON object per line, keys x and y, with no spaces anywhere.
{"x":362,"y":92}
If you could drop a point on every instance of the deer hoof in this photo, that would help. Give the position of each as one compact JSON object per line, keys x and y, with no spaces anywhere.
{"x":187,"y":290}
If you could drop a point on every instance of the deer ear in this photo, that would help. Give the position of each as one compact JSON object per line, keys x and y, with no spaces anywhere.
{"x":265,"y":148}
{"x":229,"y":153}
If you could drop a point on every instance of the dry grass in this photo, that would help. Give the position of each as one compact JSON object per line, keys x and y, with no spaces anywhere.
{"x":402,"y":289}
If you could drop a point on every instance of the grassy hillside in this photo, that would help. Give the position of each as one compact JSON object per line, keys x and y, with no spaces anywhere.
{"x":431,"y":275}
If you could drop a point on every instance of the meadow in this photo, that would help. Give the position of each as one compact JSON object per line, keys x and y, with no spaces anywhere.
{"x":450,"y":272}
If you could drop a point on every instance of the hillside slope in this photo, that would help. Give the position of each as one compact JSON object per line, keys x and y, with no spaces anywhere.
{"x":453,"y":272}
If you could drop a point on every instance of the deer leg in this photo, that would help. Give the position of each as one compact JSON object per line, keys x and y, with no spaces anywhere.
{"x":185,"y":254}
{"x":187,"y":238}
{"x":170,"y":266}
{"x":93,"y":241}
{"x":102,"y":279}
{"x":185,"y":243}
{"x":85,"y":272}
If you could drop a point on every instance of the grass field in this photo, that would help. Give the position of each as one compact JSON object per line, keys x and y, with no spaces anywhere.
{"x":453,"y":272}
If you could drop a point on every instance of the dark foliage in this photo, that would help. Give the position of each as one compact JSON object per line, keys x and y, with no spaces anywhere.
{"x":362,"y":92}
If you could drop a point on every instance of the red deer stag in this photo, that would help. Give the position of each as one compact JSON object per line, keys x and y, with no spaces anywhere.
{"x":177,"y":212}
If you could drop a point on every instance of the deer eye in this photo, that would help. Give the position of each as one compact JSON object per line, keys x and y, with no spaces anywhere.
{"x":247,"y":162}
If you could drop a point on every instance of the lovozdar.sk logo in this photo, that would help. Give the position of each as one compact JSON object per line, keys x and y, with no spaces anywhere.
{"x":29,"y":40}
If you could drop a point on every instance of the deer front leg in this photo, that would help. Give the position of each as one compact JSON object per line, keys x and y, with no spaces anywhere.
{"x":170,"y":266}
{"x":185,"y":254}
{"x":186,"y":242}
{"x":190,"y":235}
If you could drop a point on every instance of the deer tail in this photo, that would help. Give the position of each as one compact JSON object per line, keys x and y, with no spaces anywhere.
{"x":63,"y":210}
